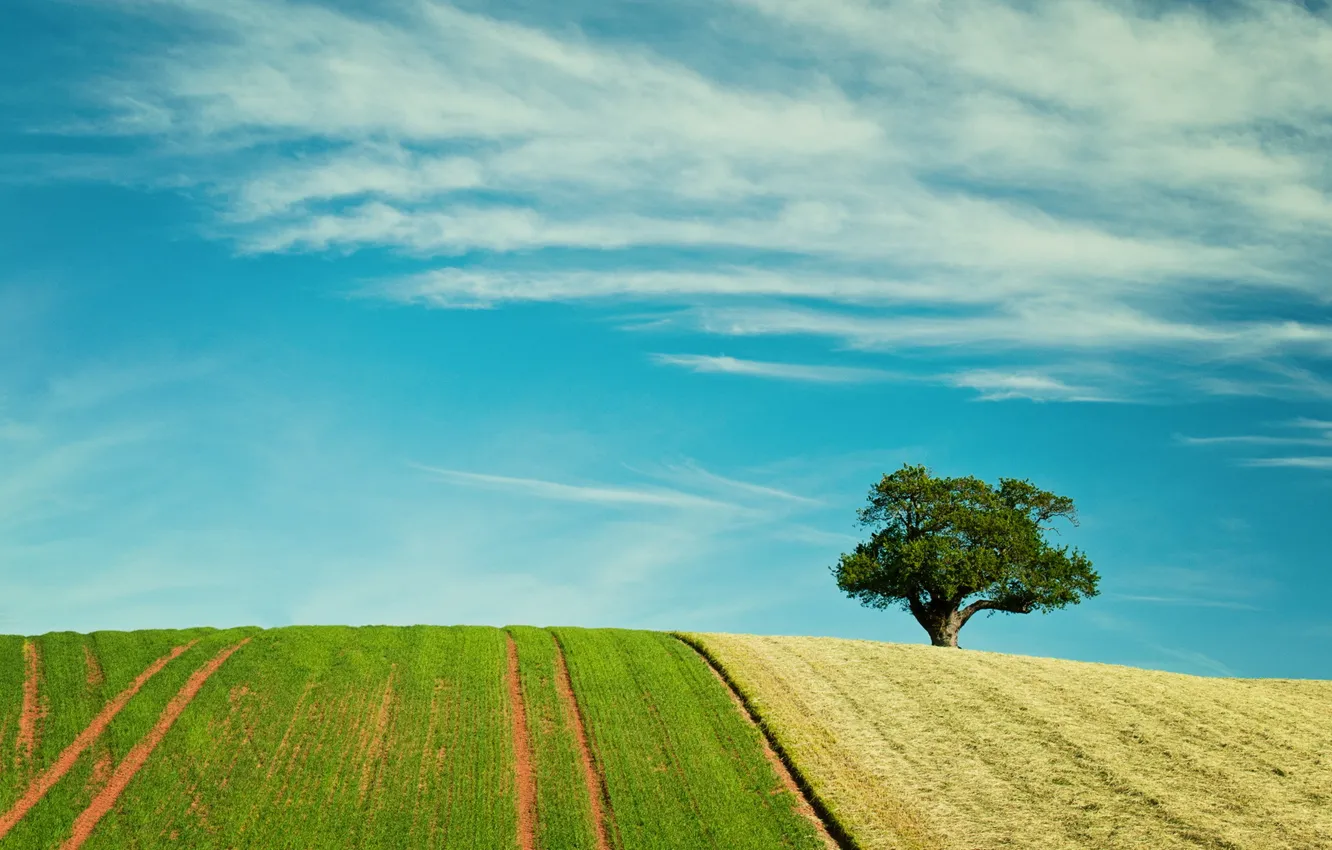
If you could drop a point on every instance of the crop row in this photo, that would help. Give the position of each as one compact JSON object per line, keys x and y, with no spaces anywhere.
{"x":380,"y":737}
{"x":683,"y":769}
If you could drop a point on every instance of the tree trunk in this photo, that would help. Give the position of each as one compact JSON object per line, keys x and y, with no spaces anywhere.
{"x":945,"y":636}
{"x":942,"y":627}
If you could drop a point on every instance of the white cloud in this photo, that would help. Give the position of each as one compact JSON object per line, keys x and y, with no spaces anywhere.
{"x":999,"y":386}
{"x":1307,"y":462}
{"x":1255,"y":439}
{"x":1303,"y":424}
{"x":781,"y":371}
{"x":700,"y":478}
{"x":603,"y":495}
{"x":1054,"y":177}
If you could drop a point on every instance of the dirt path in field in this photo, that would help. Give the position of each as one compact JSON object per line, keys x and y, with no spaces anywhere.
{"x":522,"y":752}
{"x":30,"y":720}
{"x":591,"y":775}
{"x":86,"y":738}
{"x":135,"y":759}
{"x":804,"y":803}
{"x":373,"y":742}
{"x":95,"y":677}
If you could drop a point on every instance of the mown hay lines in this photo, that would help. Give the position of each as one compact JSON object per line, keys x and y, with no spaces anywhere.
{"x":994,"y":751}
{"x":135,"y":759}
{"x":1158,"y":734}
{"x":1039,"y":757}
{"x":524,"y":777}
{"x":67,"y":758}
{"x":866,"y":798}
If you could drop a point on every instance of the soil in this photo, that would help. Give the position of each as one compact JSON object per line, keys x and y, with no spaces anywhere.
{"x":30,"y":721}
{"x":86,"y":738}
{"x":522,"y":751}
{"x":138,"y":755}
{"x":376,"y":752}
{"x":94,"y":668}
{"x":591,"y":775}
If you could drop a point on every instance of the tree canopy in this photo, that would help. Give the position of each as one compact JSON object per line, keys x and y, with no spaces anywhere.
{"x":947,"y":548}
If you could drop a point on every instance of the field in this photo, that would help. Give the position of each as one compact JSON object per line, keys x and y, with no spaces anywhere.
{"x":913,"y":747}
{"x":330,"y":737}
{"x":476,"y":738}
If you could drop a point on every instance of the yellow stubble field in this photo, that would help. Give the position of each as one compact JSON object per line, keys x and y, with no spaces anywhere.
{"x":914,"y":746}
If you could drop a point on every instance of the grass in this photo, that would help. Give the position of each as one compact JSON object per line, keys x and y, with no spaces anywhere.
{"x":917,"y":747}
{"x":335,"y":737}
{"x":564,"y":810}
{"x":682,"y":767}
{"x":69,"y":702}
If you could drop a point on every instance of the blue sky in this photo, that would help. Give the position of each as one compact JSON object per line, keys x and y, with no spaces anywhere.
{"x":610,"y":313}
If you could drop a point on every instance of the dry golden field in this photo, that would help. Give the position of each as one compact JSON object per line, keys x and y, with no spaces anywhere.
{"x":918,"y":747}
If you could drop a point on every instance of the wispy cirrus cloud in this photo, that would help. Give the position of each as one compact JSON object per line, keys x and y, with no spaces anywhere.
{"x":1301,"y":424}
{"x":765,"y":369}
{"x":1299,"y":462}
{"x":1001,"y":181}
{"x":591,"y":494}
{"x":991,"y":385}
{"x":1000,"y":386}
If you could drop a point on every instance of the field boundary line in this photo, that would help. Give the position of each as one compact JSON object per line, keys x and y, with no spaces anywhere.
{"x":597,"y":795}
{"x":49,"y":777}
{"x":139,"y":753}
{"x":524,"y":777}
{"x":830,"y":829}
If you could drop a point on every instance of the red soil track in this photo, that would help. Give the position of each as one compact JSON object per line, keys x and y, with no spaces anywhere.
{"x":138,"y":756}
{"x":590,"y":773}
{"x":522,"y":754}
{"x":94,"y":668}
{"x":31,"y":719}
{"x":86,"y":738}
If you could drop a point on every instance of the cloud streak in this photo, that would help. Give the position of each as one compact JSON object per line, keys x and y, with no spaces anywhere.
{"x":599,"y":495}
{"x":780,"y":371}
{"x":997,"y":181}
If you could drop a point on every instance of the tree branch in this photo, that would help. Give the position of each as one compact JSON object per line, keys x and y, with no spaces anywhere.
{"x":992,"y":605}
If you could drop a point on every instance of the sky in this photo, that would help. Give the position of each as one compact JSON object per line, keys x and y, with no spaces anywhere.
{"x":610,"y":313}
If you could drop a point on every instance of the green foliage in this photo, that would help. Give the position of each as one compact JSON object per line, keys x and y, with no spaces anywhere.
{"x":683,"y":768}
{"x":939,"y":542}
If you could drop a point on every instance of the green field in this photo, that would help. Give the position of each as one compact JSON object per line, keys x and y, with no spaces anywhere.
{"x":383,"y":737}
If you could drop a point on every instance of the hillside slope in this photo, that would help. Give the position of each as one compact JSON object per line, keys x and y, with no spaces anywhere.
{"x":381,"y":737}
{"x":915,"y":747}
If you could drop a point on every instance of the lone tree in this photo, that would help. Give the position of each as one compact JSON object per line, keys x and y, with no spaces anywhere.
{"x":946,"y":548}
